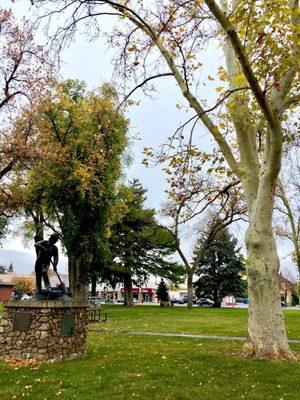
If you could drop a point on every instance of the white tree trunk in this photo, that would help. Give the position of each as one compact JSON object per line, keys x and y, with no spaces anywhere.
{"x":266,"y":330}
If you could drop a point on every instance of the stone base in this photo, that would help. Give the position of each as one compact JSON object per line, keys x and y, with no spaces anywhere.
{"x":43,"y":330}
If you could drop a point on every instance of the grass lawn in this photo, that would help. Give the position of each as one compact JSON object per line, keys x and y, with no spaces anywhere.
{"x":121,"y":366}
{"x":206,"y":321}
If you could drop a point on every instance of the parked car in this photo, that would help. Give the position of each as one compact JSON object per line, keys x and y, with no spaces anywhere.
{"x":121,"y":301}
{"x":204,"y":303}
{"x":239,"y":300}
{"x":26,"y":297}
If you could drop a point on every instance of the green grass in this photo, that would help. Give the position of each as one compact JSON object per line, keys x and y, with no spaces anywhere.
{"x":206,"y":321}
{"x":121,"y":366}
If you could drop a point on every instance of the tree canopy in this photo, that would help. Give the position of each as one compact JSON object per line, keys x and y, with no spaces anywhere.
{"x":140,"y":247}
{"x":75,"y":165}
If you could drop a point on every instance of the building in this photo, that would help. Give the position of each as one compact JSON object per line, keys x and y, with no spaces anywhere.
{"x":286,"y":288}
{"x":145,"y":294}
{"x":11,"y":278}
{"x":6,"y":290}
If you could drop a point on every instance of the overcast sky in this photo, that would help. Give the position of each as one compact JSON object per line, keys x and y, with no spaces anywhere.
{"x":153,"y":121}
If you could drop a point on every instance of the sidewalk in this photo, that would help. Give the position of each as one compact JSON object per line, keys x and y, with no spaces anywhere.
{"x":184,"y":335}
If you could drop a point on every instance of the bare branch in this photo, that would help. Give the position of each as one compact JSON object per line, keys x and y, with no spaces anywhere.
{"x":141,"y":85}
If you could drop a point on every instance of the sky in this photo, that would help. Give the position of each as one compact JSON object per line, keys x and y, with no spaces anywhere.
{"x":152,"y":121}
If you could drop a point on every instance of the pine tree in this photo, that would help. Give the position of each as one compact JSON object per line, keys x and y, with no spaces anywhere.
{"x":3,"y":269}
{"x":140,"y":247}
{"x":220,"y":269}
{"x":162,"y":292}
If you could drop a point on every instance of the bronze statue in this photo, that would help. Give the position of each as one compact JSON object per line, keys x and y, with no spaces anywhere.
{"x":47,"y":253}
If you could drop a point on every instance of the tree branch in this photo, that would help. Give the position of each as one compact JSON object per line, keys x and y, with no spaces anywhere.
{"x":141,"y":85}
{"x":237,"y":45}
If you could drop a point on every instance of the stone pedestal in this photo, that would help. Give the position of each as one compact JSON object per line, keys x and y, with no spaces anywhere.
{"x":43,"y":330}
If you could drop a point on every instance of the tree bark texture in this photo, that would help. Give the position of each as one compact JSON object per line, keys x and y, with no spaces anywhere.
{"x":190,"y":289}
{"x":79,"y":280}
{"x":128,"y":295}
{"x":267,"y":337}
{"x":266,"y":330}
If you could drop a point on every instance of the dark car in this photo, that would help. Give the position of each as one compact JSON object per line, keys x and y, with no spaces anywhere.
{"x":239,"y":300}
{"x":175,"y":301}
{"x":204,"y":303}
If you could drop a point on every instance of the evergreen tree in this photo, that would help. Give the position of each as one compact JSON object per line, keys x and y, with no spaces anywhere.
{"x":3,"y":270}
{"x":220,"y":269}
{"x":162,"y":291}
{"x":139,"y":246}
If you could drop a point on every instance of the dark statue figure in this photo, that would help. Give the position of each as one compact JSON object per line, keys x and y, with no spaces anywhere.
{"x":47,"y":253}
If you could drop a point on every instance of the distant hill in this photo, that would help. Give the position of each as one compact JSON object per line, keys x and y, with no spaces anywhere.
{"x":23,"y":262}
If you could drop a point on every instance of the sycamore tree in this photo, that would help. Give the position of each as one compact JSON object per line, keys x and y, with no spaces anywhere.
{"x":288,"y":190}
{"x":260,"y":85}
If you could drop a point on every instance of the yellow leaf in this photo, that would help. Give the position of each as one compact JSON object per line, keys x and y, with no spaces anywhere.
{"x":132,"y":48}
{"x":240,"y":80}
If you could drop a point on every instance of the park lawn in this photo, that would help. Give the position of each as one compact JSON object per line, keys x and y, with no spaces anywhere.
{"x":206,"y":321}
{"x":120,"y":366}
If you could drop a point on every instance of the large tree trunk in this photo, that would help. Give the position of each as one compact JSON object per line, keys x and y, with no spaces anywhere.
{"x":266,"y":330}
{"x":78,"y":278}
{"x":128,"y":295}
{"x":190,"y":289}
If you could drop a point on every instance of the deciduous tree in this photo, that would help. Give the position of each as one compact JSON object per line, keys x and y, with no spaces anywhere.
{"x":261,"y":46}
{"x":23,"y":73}
{"x":78,"y":145}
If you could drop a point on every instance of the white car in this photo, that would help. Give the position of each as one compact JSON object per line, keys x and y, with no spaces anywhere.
{"x":26,"y":297}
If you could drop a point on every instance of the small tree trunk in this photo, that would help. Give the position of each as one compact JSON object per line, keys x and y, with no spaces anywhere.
{"x":78,"y":278}
{"x":266,"y":330}
{"x":37,"y":217}
{"x":190,"y":289}
{"x":94,"y":285}
{"x":216,"y":299}
{"x":128,"y":295}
